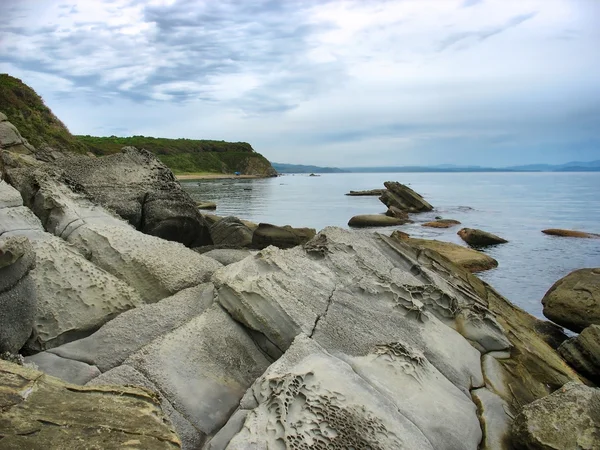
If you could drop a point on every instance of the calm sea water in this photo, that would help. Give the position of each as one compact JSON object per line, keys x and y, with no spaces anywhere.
{"x":516,"y":206}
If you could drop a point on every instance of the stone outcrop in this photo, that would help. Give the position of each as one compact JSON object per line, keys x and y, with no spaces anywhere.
{"x":479,"y":238}
{"x":583,"y":353}
{"x":403,"y":198}
{"x":282,"y":237}
{"x":11,"y":139}
{"x":567,"y":419}
{"x":574,"y":301}
{"x":392,"y":211}
{"x":374,"y":220}
{"x":472,"y":260}
{"x":18,"y":299}
{"x":230,"y":231}
{"x":441,"y":223}
{"x":570,"y":233}
{"x":42,"y":412}
{"x":371,"y":192}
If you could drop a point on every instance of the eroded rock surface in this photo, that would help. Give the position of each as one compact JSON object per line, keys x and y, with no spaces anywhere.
{"x":230,"y":231}
{"x":42,"y":412}
{"x":574,"y":300}
{"x":403,"y":198}
{"x":583,"y":353}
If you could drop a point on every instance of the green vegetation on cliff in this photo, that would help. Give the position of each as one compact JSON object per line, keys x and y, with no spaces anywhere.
{"x":189,"y":155}
{"x":26,"y":110}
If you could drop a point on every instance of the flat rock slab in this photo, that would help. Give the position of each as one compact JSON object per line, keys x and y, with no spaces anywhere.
{"x":371,"y":192}
{"x":570,"y":233}
{"x":375,"y":220}
{"x":69,"y":370}
{"x":574,"y":301}
{"x":403,"y":198}
{"x":42,"y":412}
{"x":441,"y":223}
{"x":470,"y":259}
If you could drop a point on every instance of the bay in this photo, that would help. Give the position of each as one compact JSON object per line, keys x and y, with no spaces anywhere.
{"x":515,"y":206}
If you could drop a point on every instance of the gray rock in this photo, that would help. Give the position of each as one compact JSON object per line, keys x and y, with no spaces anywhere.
{"x":18,"y":298}
{"x":371,"y":192}
{"x":282,"y":237}
{"x":574,"y":300}
{"x":203,"y":367}
{"x":403,"y":198}
{"x":374,"y":220}
{"x":228,"y":256}
{"x":495,"y":418}
{"x":232,"y":232}
{"x":3,"y":117}
{"x":114,"y":342}
{"x":9,"y":197}
{"x":139,"y":188}
{"x":567,"y":419}
{"x":191,"y":438}
{"x":393,"y":211}
{"x":9,"y":135}
{"x":75,"y":372}
{"x":479,"y":238}
{"x":583,"y":353}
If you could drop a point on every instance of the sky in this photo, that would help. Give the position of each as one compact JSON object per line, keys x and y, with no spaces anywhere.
{"x":339,"y":83}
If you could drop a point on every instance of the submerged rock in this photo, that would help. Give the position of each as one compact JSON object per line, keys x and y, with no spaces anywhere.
{"x":479,"y":238}
{"x":583,"y":353}
{"x":570,"y":233}
{"x":574,"y":301}
{"x":371,"y":192}
{"x":42,"y":412}
{"x":374,"y":220}
{"x":283,"y":237}
{"x":441,"y":223}
{"x":403,"y":198}
{"x":470,"y":259}
{"x":567,"y":419}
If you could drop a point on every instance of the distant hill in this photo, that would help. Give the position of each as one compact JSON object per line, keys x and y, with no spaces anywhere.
{"x":300,"y":168}
{"x":26,"y":110}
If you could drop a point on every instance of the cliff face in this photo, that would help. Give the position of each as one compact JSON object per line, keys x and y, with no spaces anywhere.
{"x":25,"y":109}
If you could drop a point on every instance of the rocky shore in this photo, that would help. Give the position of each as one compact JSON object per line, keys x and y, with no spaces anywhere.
{"x":145,"y":324}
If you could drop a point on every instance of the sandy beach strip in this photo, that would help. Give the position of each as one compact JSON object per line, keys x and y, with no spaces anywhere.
{"x":212,"y":176}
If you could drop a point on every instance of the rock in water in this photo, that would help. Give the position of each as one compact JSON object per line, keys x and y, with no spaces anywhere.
{"x":372,"y":192}
{"x":392,"y":211}
{"x":42,"y":412}
{"x":479,"y":238}
{"x":470,"y":259}
{"x":230,"y":231}
{"x":403,"y":198}
{"x":282,"y":237}
{"x":574,"y":301}
{"x":583,"y":353}
{"x":570,"y":233}
{"x":374,"y":220}
{"x":441,"y":223}
{"x":567,"y":419}
{"x":18,"y":299}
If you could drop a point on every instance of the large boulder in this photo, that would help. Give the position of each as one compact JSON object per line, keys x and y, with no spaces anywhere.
{"x":231,"y":232}
{"x":574,"y":300}
{"x":18,"y":298}
{"x":470,"y":259}
{"x":282,"y":237}
{"x":374,"y":220}
{"x":11,"y":139}
{"x":567,"y":419}
{"x":403,"y":198}
{"x":583,"y":353}
{"x":480,"y":238}
{"x":42,"y":412}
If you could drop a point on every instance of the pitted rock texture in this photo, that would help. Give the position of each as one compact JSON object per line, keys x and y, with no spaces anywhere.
{"x":18,"y":299}
{"x":404,"y":198}
{"x":139,"y":188}
{"x":42,"y":412}
{"x":574,"y":301}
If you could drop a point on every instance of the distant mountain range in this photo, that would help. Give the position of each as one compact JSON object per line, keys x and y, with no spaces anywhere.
{"x":574,"y":166}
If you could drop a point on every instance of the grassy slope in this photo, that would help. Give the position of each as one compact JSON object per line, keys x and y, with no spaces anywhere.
{"x":26,"y":110}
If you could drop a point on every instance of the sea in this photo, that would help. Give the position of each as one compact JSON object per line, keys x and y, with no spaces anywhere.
{"x":515,"y":206}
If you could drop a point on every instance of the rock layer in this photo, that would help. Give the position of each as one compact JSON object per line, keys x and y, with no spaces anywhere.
{"x":403,"y":198}
{"x":583,"y":353}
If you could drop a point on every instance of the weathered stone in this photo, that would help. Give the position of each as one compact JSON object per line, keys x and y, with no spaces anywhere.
{"x":42,"y":412}
{"x":400,"y":235}
{"x":567,"y":419}
{"x":470,"y":259}
{"x":228,"y":256}
{"x":129,"y":332}
{"x":570,"y":233}
{"x":574,"y":301}
{"x":374,"y":220}
{"x":18,"y":298}
{"x":392,"y":211}
{"x":403,"y":198}
{"x":71,"y":371}
{"x":282,"y":237}
{"x":479,"y":238}
{"x":583,"y":353}
{"x":496,"y":420}
{"x":441,"y":223}
{"x":206,"y":205}
{"x":231,"y":231}
{"x":371,"y":192}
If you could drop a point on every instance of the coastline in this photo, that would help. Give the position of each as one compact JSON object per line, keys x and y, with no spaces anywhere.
{"x":213,"y":176}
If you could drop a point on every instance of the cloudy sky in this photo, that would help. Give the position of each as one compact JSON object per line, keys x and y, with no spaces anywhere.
{"x":346,"y":83}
